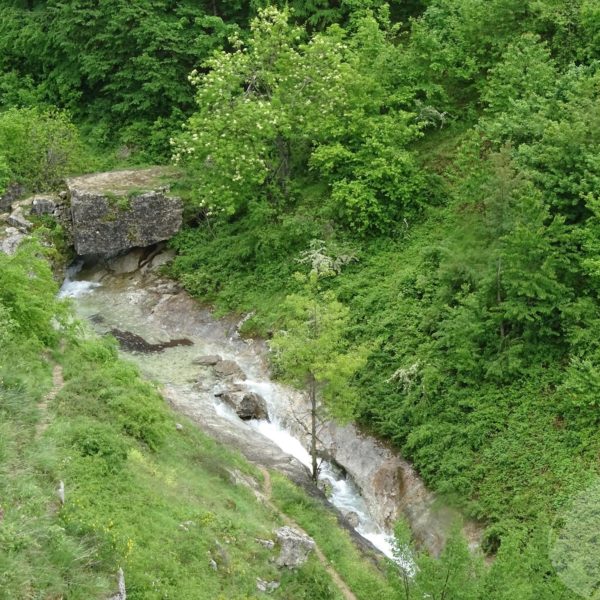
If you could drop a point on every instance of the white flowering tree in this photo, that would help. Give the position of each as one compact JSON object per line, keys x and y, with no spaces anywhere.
{"x":282,"y":104}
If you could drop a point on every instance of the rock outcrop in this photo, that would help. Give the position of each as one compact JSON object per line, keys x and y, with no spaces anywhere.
{"x":113,"y":212}
{"x":10,"y":240}
{"x":18,"y":220}
{"x":295,"y":547}
{"x":13,"y":192}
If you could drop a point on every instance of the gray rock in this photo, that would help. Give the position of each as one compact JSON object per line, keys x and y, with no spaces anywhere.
{"x":295,"y":547}
{"x":126,"y":263}
{"x":12,"y":240}
{"x":213,"y":564}
{"x":178,"y":426}
{"x":12,"y":193}
{"x":266,"y":586}
{"x":353,"y":519}
{"x":43,"y":205}
{"x":229,"y":369}
{"x":247,"y":405}
{"x":238,"y":478}
{"x":161,"y":259}
{"x":17,"y":219}
{"x":207,"y":361}
{"x":268,"y":544}
{"x":114,"y":212}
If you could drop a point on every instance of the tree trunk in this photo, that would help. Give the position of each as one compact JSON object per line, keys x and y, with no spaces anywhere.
{"x":313,"y":426}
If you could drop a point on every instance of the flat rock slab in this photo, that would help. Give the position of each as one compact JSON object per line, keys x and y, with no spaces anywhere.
{"x":114,"y":212}
{"x":122,"y":182}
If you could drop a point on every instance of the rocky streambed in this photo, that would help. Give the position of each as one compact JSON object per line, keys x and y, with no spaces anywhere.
{"x":222,"y":383}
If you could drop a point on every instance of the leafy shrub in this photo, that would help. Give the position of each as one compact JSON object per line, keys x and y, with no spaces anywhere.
{"x":101,"y":385}
{"x":28,"y":295}
{"x":38,"y":147}
{"x":99,"y":440}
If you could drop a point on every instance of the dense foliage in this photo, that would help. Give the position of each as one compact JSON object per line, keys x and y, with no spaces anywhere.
{"x":450,"y":146}
{"x":38,"y":149}
{"x":460,"y":162}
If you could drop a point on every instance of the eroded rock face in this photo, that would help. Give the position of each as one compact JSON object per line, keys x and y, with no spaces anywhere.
{"x":18,"y":220}
{"x":43,"y":205}
{"x":295,"y":547}
{"x":392,"y":487}
{"x":113,"y":212}
{"x":10,"y":195}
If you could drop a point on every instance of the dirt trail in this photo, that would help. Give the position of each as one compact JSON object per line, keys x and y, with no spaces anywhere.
{"x":57,"y":384}
{"x":339,"y":582}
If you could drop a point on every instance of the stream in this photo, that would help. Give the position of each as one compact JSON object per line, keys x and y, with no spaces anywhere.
{"x":139,"y":302}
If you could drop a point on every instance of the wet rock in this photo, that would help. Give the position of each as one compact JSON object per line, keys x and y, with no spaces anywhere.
{"x":207,"y":361}
{"x":135,"y":343}
{"x":353,"y":519}
{"x":247,"y":405}
{"x":295,"y":547}
{"x":113,"y":212}
{"x":266,"y":586}
{"x":126,"y":263}
{"x":220,"y":390}
{"x":229,"y":369}
{"x":164,"y":289}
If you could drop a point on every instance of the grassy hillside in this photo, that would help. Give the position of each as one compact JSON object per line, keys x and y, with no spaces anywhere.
{"x":167,"y":506}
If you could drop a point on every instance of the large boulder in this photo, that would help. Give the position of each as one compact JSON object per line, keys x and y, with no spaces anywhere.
{"x":295,"y":547}
{"x":114,"y":212}
{"x":247,"y":405}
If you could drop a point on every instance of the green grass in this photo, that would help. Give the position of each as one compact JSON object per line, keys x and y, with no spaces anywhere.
{"x":140,"y":495}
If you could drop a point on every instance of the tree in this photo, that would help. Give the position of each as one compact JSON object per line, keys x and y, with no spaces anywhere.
{"x":280,"y":106}
{"x":38,"y":148}
{"x":312,"y":352}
